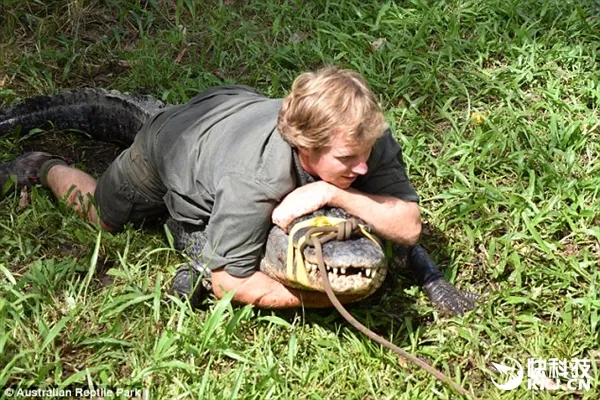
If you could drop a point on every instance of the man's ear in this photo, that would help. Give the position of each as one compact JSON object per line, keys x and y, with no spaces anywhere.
{"x":305,"y":155}
{"x":303,"y":150}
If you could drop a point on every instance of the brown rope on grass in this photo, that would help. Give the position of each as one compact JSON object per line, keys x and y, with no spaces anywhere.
{"x":316,"y":237}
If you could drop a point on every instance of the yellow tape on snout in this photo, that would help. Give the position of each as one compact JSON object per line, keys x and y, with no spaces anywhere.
{"x":296,"y":268}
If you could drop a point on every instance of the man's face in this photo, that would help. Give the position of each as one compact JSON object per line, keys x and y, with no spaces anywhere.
{"x":340,"y":163}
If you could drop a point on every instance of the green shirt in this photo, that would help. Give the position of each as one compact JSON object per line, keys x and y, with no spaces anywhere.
{"x":224,"y":163}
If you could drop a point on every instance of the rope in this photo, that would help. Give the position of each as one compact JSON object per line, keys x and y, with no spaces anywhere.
{"x":316,"y":237}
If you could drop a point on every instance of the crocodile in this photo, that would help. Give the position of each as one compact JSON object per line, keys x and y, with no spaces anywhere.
{"x":356,"y":266}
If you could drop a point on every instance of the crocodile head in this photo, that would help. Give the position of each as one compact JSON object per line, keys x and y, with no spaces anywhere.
{"x":356,"y":266}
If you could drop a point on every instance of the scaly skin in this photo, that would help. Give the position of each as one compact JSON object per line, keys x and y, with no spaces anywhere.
{"x":107,"y":115}
{"x":116,"y":117}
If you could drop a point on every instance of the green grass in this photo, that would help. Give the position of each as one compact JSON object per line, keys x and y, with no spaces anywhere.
{"x":496,"y":104}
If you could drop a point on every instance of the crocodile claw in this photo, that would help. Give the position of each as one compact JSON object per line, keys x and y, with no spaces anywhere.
{"x":446,"y":297}
{"x":441,"y":292}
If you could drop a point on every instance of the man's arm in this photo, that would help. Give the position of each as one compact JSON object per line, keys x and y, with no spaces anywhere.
{"x":262,"y":291}
{"x":393,"y":219}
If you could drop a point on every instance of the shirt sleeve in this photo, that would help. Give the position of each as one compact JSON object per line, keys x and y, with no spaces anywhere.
{"x":238,"y":226}
{"x":386,"y":174}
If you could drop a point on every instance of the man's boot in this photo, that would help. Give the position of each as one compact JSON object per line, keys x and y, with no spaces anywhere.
{"x":28,"y":169}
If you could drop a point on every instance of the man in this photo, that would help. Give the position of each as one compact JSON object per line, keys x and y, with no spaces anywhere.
{"x":229,"y":163}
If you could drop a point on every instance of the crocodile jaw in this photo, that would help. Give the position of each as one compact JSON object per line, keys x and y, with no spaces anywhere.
{"x":357,"y":283}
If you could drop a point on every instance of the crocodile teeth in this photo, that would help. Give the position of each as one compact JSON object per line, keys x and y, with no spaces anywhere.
{"x":368,"y":273}
{"x":335,"y":271}
{"x":343,"y":270}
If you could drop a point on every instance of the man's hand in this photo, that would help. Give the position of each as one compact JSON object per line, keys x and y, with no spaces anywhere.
{"x":303,"y":200}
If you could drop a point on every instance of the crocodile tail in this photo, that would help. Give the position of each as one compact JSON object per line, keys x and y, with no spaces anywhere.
{"x":105,"y":115}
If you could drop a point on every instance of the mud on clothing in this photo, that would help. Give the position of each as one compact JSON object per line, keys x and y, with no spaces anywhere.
{"x":219,"y":163}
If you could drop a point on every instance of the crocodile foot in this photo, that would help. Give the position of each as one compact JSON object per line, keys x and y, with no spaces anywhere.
{"x":446,"y":297}
{"x":192,"y":282}
{"x":441,"y":292}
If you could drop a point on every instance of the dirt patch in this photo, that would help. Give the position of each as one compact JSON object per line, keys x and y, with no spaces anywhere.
{"x":79,"y":149}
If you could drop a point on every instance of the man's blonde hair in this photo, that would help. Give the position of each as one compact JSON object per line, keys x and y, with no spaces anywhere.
{"x":328,"y":101}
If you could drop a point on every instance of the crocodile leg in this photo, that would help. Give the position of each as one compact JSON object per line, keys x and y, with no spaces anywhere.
{"x":193,"y":280}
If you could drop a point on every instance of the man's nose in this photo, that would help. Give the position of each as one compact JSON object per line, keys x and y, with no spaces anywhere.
{"x":361,"y":168}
